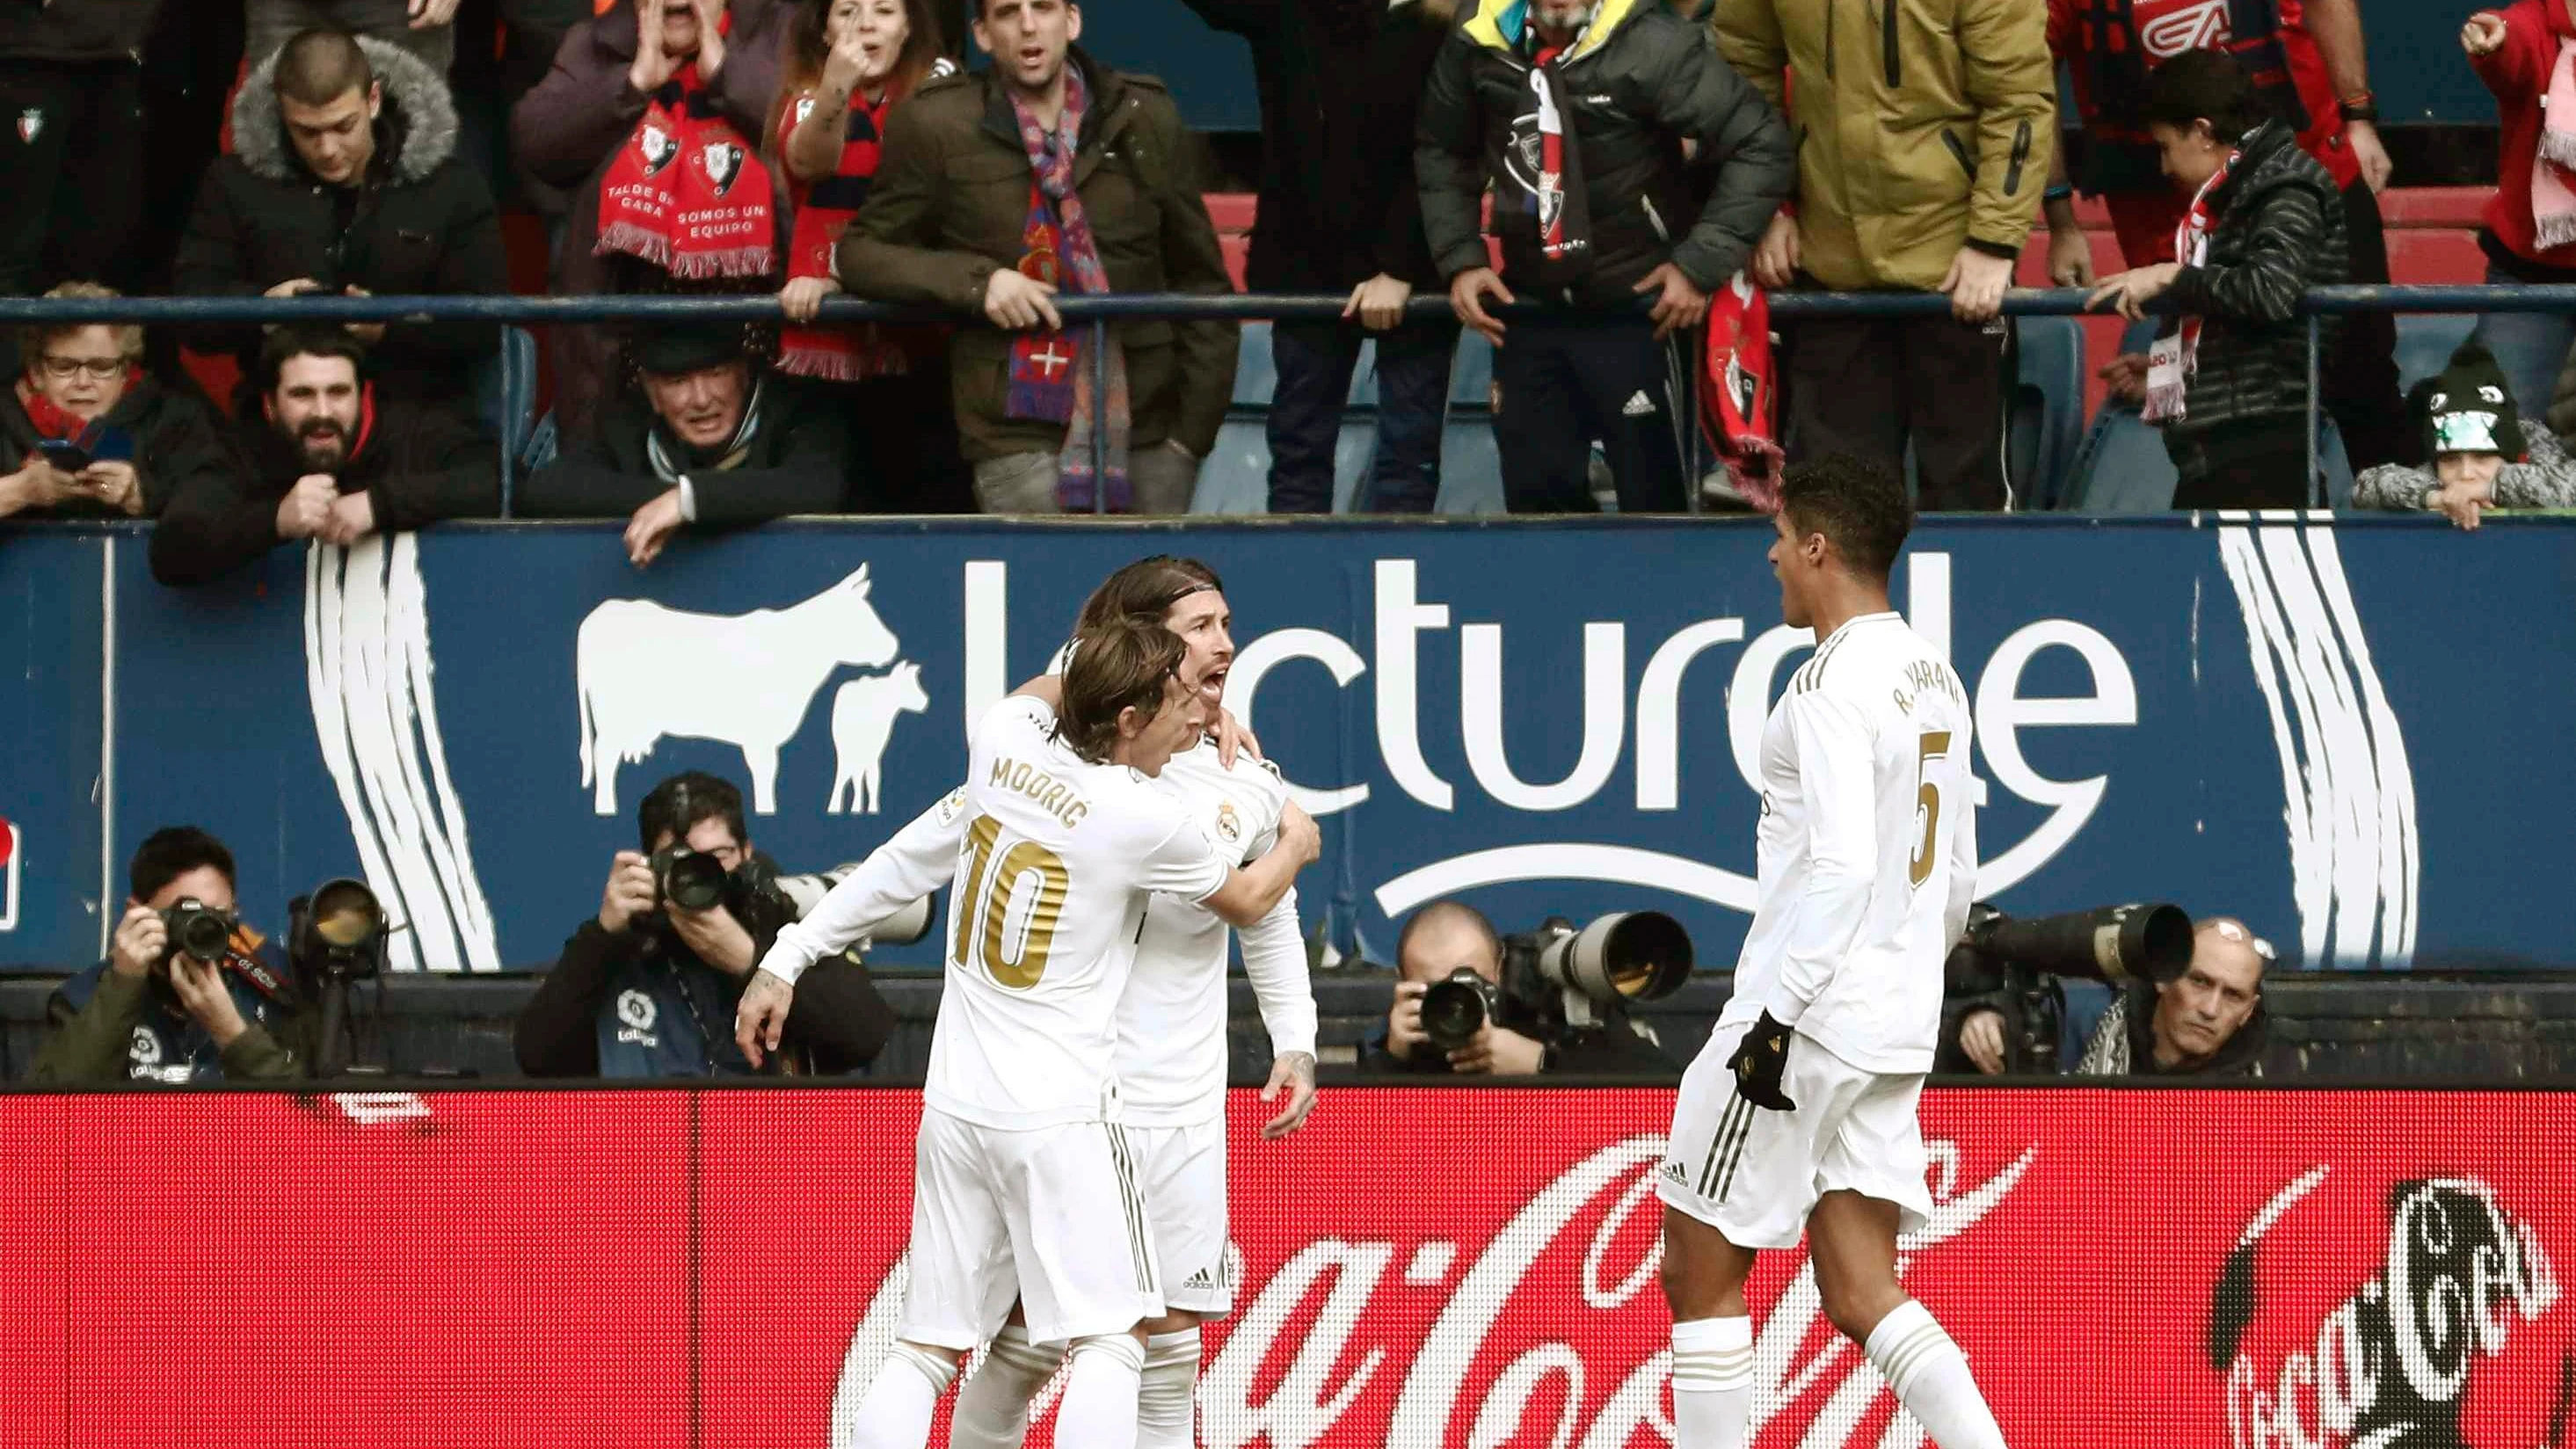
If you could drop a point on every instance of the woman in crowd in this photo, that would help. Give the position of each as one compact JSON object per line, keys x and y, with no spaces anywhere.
{"x":95,"y":436}
{"x":847,"y":64}
{"x":2484,"y":456}
{"x":2527,"y":55}
{"x":2227,"y":377}
{"x":651,"y":117}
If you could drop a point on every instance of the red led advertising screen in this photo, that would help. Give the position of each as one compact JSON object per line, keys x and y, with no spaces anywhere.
{"x":1420,"y":1267}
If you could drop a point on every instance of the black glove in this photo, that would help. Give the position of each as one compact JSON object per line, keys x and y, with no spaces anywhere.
{"x":1758,"y":1062}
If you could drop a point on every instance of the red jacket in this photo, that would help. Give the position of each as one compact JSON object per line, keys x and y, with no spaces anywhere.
{"x":2518,"y":73}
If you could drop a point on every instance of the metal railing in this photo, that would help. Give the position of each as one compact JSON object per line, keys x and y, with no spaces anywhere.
{"x":1097,"y":312}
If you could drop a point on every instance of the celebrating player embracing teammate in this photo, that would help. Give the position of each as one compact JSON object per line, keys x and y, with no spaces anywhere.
{"x":1866,"y":864}
{"x":1170,"y":1054}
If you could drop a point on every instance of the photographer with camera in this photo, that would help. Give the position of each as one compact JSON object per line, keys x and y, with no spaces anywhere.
{"x":188,"y":993}
{"x":1469,"y":1003}
{"x":2186,"y":1000}
{"x":648,"y":988}
{"x":2209,"y":1022}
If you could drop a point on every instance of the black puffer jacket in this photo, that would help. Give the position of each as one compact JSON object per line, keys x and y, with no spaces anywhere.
{"x":1640,"y":81}
{"x":170,"y":436}
{"x":422,"y":223}
{"x":1341,"y":85}
{"x":74,"y":32}
{"x":416,"y":465}
{"x":2279,"y":232}
{"x":791,"y":457}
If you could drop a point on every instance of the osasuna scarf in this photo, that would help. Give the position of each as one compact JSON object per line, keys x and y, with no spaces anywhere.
{"x":94,"y":436}
{"x":1051,"y":374}
{"x":2553,"y":166}
{"x":686,"y":192}
{"x":823,"y":212}
{"x":1542,"y":177}
{"x":2173,"y":360}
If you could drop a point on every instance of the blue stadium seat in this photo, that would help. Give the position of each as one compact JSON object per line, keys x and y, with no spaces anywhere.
{"x":2425,"y":342}
{"x":2048,"y":409}
{"x":1256,"y":372}
{"x":505,"y":390}
{"x":1471,"y":374}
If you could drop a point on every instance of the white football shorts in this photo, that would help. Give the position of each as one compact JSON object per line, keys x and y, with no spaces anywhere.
{"x":1182,"y":1171}
{"x":1754,"y":1174}
{"x":1051,"y":1216}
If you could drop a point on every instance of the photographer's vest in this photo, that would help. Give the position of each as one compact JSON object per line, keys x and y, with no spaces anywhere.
{"x":668,"y":1015}
{"x":167,"y":1044}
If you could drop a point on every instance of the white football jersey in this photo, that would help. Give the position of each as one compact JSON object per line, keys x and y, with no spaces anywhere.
{"x":1046,"y":905}
{"x":1171,"y":1053}
{"x":1171,"y":1027}
{"x":1867,"y":850}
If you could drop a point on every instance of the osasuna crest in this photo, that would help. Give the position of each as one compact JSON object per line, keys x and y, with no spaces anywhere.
{"x":723,"y":160}
{"x":31,"y":123}
{"x":659,"y":147}
{"x":804,"y":108}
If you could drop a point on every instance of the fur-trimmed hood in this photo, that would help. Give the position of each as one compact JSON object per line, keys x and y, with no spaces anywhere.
{"x":419,"y":117}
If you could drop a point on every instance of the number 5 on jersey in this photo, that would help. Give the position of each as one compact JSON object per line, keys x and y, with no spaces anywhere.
{"x":1930,"y":745}
{"x":1015,"y":959}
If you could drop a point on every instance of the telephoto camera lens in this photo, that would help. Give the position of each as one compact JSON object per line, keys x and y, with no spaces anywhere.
{"x":1630,"y":956}
{"x":1455,"y":1009}
{"x":199,"y":930}
{"x":690,"y":879}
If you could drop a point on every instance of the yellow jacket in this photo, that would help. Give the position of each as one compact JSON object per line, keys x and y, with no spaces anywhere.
{"x":1922,"y":126}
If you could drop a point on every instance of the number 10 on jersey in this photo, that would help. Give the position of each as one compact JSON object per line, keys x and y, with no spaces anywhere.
{"x":985,"y":892}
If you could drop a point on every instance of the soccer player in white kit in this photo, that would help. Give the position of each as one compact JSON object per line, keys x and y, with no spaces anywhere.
{"x":1024,"y":1182}
{"x":1171,"y":1056}
{"x":1867,"y":860}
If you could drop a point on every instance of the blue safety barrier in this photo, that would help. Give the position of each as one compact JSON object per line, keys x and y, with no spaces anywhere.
{"x":1097,"y":312}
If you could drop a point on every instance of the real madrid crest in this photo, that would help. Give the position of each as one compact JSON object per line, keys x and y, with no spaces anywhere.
{"x":1228,"y":824}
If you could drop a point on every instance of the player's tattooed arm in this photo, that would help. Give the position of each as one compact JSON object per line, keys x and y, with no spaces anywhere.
{"x":1294,"y":1074}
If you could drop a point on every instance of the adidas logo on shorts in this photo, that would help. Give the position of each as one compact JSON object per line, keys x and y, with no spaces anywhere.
{"x":1202,"y":1280}
{"x":1676,"y":1171}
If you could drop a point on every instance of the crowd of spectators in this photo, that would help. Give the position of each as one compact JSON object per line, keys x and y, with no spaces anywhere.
{"x":1604,"y":170}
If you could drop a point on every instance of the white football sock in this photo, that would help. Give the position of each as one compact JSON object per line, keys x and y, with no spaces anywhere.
{"x":1930,"y":1378}
{"x":1167,"y":1396}
{"x":1712,"y":1382}
{"x":896,"y":1412}
{"x":1098,"y":1410}
{"x":993,"y":1409}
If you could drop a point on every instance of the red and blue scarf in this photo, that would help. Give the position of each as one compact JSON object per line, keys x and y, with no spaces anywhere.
{"x":1050,"y":373}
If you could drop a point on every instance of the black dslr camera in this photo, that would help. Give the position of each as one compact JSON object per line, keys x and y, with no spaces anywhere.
{"x":1558,"y":981}
{"x":690,"y":879}
{"x":2014,"y":967}
{"x":199,"y":930}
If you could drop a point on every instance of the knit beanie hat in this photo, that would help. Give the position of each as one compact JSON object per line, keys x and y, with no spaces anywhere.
{"x":2469,"y":408}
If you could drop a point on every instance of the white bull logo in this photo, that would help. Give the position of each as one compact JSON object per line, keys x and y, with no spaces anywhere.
{"x":645,"y":671}
{"x":863,"y":712}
